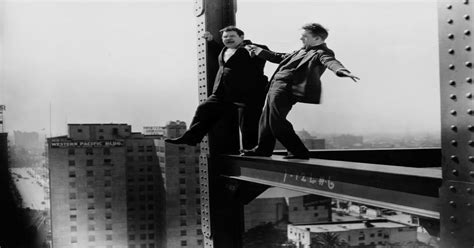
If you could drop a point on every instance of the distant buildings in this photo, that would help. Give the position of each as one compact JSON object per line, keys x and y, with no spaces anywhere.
{"x":28,"y":140}
{"x":309,"y":209}
{"x":106,"y":188}
{"x":265,"y":210}
{"x":347,"y":141}
{"x":309,"y":141}
{"x":355,"y":233}
{"x":180,"y":168}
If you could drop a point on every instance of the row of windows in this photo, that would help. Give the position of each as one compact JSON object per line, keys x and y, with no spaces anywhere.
{"x":133,"y":198}
{"x":183,"y":212}
{"x":107,"y":183}
{"x":90,"y":162}
{"x":92,"y":227}
{"x":89,"y":151}
{"x":142,"y":236}
{"x":142,"y":178}
{"x":90,"y":216}
{"x":90,"y":195}
{"x":90,"y":173}
{"x":142,"y":207}
{"x":142,"y":227}
{"x":143,"y":217}
{"x":185,"y":243}
{"x":140,"y":158}
{"x":142,"y":246}
{"x":91,"y":238}
{"x":132,"y":168}
{"x":184,"y":222}
{"x":184,"y":201}
{"x":140,"y":149}
{"x":91,"y":206}
{"x":184,"y":232}
{"x":182,"y":191}
{"x":182,"y":170}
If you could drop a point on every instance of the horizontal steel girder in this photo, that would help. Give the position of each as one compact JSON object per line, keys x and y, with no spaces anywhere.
{"x":407,"y":189}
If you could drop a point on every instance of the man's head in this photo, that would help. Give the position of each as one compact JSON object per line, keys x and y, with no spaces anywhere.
{"x":313,"y":34}
{"x":232,"y":37}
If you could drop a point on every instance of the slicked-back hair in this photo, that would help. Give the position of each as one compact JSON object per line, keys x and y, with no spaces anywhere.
{"x":317,"y":30}
{"x":232,"y":28}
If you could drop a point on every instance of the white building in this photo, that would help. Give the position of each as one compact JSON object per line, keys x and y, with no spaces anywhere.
{"x":356,"y":233}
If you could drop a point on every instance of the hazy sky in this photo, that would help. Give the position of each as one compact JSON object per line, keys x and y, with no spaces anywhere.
{"x":135,"y":62}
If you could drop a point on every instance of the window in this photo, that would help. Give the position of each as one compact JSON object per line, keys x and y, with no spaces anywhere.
{"x":182,"y":191}
{"x":72,"y":196}
{"x":149,"y":158}
{"x":143,"y":246}
{"x":72,"y":174}
{"x":131,"y":237}
{"x":150,"y":178}
{"x":161,"y":159}
{"x":181,"y":149}
{"x":198,"y":200}
{"x":198,"y":190}
{"x":108,"y":216}
{"x":182,"y":181}
{"x":151,"y":216}
{"x":141,"y":158}
{"x":108,"y":204}
{"x":108,"y":194}
{"x":196,"y":169}
{"x":79,"y":130}
{"x":295,"y":208}
{"x":199,"y":242}
{"x":183,"y":223}
{"x":72,"y":163}
{"x":149,"y":148}
{"x":183,"y":232}
{"x":90,"y":206}
{"x":198,"y":232}
{"x":198,"y":221}
{"x":72,"y":207}
{"x":131,"y":246}
{"x":101,"y":130}
{"x":90,"y":162}
{"x":182,"y":201}
{"x":108,"y":237}
{"x":372,"y":235}
{"x":151,"y":245}
{"x":151,"y":226}
{"x":141,"y":148}
{"x":89,"y":151}
{"x":150,"y":188}
{"x":143,"y":236}
{"x":90,"y":217}
{"x":90,"y":173}
{"x":72,"y":184}
{"x":91,"y":228}
{"x":107,"y":173}
{"x":91,"y":238}
{"x":107,"y":183}
{"x":198,"y":211}
{"x":73,"y":240}
{"x":143,"y":227}
{"x":73,"y":228}
{"x":182,"y":160}
{"x":182,"y":212}
{"x":90,"y":195}
{"x":71,"y":151}
{"x":72,"y":217}
{"x":107,"y":161}
{"x":101,"y":137}
{"x":184,"y":243}
{"x":129,"y":148}
{"x":129,"y":158}
{"x":316,"y":214}
{"x":182,"y":170}
{"x":108,"y":226}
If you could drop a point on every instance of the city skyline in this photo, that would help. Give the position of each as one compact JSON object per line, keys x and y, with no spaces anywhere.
{"x":127,"y":52}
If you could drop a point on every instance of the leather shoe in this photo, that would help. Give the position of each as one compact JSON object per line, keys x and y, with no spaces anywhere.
{"x":254,"y":153}
{"x":291,"y":156}
{"x":181,"y":141}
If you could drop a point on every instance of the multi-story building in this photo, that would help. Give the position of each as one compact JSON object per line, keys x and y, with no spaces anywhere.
{"x":106,"y":188}
{"x":309,"y":209}
{"x":356,"y":233}
{"x":180,"y":167}
{"x":265,"y":210}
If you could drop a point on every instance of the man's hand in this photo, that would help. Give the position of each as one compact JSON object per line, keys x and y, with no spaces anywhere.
{"x":346,"y":73}
{"x":253,"y":49}
{"x":207,"y":36}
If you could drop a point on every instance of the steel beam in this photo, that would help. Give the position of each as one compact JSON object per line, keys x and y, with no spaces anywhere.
{"x":411,"y":190}
{"x":457,"y":127}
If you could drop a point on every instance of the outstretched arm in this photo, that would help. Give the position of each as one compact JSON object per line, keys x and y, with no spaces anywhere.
{"x":346,"y":73}
{"x":266,"y":54}
{"x":334,"y":65}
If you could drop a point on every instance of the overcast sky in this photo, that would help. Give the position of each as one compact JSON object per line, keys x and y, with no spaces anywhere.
{"x":135,"y":62}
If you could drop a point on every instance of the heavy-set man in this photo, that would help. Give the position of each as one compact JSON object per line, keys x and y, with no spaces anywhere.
{"x":239,"y":83}
{"x":297,"y":79}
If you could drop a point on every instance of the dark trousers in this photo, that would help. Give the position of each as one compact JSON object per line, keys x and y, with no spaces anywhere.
{"x":273,"y":124}
{"x":211,"y":111}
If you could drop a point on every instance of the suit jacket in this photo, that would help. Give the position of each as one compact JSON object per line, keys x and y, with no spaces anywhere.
{"x":306,"y":82}
{"x":236,"y":79}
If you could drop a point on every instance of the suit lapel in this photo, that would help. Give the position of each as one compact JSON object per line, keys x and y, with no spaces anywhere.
{"x":309,"y":55}
{"x":221,"y":57}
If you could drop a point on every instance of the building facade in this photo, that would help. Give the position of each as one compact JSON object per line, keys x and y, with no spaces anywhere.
{"x":264,"y":210}
{"x":356,"y":233}
{"x":309,"y":209}
{"x":105,"y":184}
{"x":180,"y":167}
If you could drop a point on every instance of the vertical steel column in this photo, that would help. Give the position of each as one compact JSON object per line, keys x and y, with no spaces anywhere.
{"x":221,"y":214}
{"x":456,"y":58}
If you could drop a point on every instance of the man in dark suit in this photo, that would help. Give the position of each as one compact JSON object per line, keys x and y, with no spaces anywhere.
{"x":240,"y":83}
{"x":297,"y":79}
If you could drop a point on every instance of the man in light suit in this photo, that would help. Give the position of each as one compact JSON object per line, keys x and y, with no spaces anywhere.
{"x":297,"y":79}
{"x":239,"y":83}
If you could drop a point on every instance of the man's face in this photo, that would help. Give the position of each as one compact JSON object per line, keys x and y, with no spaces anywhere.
{"x":309,"y":39}
{"x":231,"y":39}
